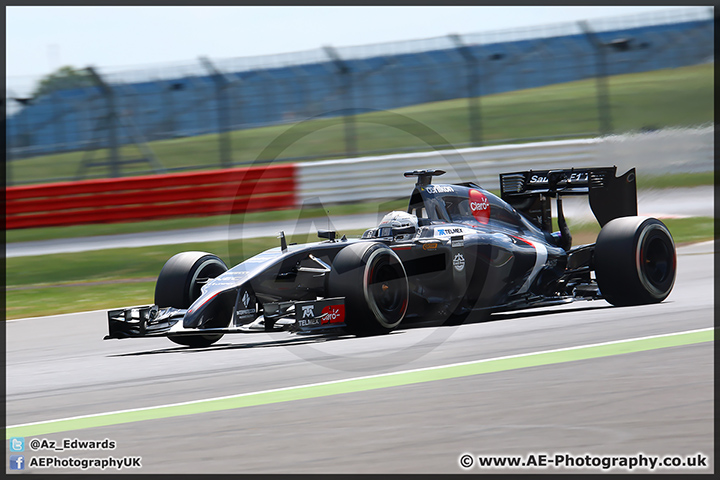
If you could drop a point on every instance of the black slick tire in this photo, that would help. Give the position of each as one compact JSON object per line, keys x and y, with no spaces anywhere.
{"x":635,"y":261}
{"x":179,"y":284}
{"x":374,"y":283}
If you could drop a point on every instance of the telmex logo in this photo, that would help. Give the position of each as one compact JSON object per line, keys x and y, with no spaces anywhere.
{"x":448,"y":231}
{"x":479,"y":206}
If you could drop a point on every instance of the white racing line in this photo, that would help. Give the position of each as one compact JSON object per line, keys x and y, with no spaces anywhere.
{"x":376,"y":381}
{"x":363,"y":383}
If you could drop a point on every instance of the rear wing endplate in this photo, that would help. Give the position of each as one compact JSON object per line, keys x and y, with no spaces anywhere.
{"x":610,"y":196}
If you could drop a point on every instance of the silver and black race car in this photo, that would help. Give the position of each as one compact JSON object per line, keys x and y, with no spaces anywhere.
{"x":457,"y":249}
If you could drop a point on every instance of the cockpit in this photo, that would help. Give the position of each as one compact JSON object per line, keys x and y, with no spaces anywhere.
{"x":467,"y":204}
{"x":426,"y":213}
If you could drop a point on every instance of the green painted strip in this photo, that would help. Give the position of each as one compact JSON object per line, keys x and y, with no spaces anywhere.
{"x":364,"y":383}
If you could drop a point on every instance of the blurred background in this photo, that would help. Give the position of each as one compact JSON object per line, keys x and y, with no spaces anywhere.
{"x":579,"y":79}
{"x":136,"y":133}
{"x":217,"y":142}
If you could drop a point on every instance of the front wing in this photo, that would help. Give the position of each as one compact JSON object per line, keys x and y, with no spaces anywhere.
{"x":313,"y":316}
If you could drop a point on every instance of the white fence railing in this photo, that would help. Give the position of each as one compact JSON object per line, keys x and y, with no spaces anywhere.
{"x":375,"y":178}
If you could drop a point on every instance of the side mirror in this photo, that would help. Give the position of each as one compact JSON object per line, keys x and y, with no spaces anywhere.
{"x":329,"y":234}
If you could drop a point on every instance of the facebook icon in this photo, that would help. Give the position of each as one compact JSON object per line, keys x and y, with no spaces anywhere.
{"x":17,"y":462}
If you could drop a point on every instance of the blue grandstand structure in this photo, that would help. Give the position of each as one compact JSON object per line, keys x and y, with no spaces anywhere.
{"x":260,"y":92}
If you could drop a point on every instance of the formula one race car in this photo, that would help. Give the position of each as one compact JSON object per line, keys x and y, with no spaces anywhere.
{"x":457,"y":249}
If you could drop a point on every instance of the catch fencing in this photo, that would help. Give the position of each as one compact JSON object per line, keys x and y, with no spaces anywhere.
{"x":220,"y":96}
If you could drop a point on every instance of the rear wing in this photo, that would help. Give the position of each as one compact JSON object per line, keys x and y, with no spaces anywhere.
{"x":610,"y":196}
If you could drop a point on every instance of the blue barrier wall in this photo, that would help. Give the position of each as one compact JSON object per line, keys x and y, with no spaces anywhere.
{"x":78,"y":119}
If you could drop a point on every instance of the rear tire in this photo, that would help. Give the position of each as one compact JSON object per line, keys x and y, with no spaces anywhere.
{"x":635,"y":261}
{"x":373,"y":281}
{"x":179,"y":284}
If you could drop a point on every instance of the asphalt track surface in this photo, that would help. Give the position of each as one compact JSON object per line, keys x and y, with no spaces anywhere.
{"x":663,"y":203}
{"x":653,"y":402}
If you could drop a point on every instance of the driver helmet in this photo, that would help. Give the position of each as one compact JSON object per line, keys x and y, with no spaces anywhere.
{"x":398,"y":220}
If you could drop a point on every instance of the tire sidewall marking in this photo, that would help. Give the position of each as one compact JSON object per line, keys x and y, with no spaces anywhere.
{"x":196,"y":274}
{"x":645,"y":233}
{"x":366,"y":279}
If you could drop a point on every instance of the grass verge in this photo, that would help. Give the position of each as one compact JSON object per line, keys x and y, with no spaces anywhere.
{"x":655,"y":99}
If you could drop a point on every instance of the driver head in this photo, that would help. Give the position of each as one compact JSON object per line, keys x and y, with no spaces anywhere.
{"x":399,"y":225}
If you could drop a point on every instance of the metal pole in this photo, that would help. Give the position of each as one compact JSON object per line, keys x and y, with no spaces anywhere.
{"x":8,"y":150}
{"x":169,"y":95}
{"x":111,"y":122}
{"x":56,"y":118}
{"x":63,"y":130}
{"x":223,"y":118}
{"x":474,"y":105}
{"x":603,"y":94}
{"x":350,"y":131}
{"x":168,"y":127}
{"x":303,"y":104}
{"x":473,"y":90}
{"x":346,"y":74}
{"x":18,"y":128}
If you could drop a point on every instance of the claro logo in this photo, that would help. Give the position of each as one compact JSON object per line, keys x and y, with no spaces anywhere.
{"x":479,"y":206}
{"x":333,"y":314}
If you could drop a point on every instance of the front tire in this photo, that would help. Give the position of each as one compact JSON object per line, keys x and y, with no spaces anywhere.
{"x":195,"y":341}
{"x":374,"y":283}
{"x":635,"y":261}
{"x":179,"y":284}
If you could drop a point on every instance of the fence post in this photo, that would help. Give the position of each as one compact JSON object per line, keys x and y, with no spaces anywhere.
{"x":112,"y":122}
{"x":223,"y":118}
{"x":23,"y":102}
{"x":347,"y":75}
{"x":56,"y":118}
{"x":169,"y":106}
{"x":8,"y":148}
{"x":603,"y":95}
{"x":473,"y":90}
